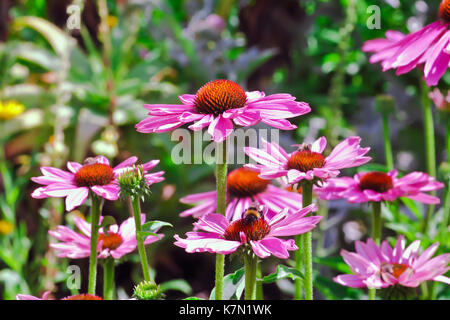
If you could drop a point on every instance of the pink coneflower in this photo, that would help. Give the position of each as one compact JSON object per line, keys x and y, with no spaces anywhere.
{"x":430,"y":47}
{"x":243,"y":188}
{"x":308,"y":161}
{"x":217,"y":234}
{"x":117,"y":242}
{"x":383,"y":266}
{"x":218,"y":104}
{"x":96,"y":175}
{"x":83,"y":296}
{"x":380,"y":186}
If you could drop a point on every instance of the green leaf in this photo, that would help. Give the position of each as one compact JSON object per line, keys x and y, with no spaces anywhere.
{"x":177,"y":284}
{"x":402,"y":228}
{"x":58,"y":39}
{"x":282,"y":273}
{"x":154,"y":226}
{"x":336,"y":263}
{"x":14,"y":284}
{"x":412,"y":205}
{"x":42,"y":57}
{"x":233,"y":286}
{"x":193,"y":298}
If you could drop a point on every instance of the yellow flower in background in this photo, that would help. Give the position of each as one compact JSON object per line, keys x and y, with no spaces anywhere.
{"x":6,"y":227}
{"x":10,"y":109}
{"x":112,"y":21}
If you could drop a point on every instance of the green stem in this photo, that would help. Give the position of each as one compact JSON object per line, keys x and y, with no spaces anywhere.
{"x":299,"y":266}
{"x":387,"y":142}
{"x":372,"y":294}
{"x":307,"y":187}
{"x":429,"y":143}
{"x":376,"y":221}
{"x":447,"y":134}
{"x":376,"y":234}
{"x":108,"y":279}
{"x":140,"y":241}
{"x":444,"y":224}
{"x":221,"y":187}
{"x":259,"y":287}
{"x":250,"y":266}
{"x":95,"y":218}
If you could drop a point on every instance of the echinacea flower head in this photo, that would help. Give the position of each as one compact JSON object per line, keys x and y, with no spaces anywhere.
{"x":45,"y":296}
{"x":10,"y":109}
{"x":428,"y":47}
{"x":221,"y":104}
{"x":94,"y":175}
{"x":243,"y":188}
{"x":253,"y":231}
{"x":135,"y":181}
{"x":116,"y":242}
{"x":308,"y":162}
{"x":440,"y":101}
{"x":148,"y":290}
{"x":381,"y":186}
{"x":382,"y":266}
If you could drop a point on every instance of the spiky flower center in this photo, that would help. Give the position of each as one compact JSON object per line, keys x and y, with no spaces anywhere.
{"x":148,"y":290}
{"x":395,"y":269}
{"x":110,"y":240}
{"x":95,"y":174}
{"x":254,"y":228}
{"x":305,"y":160}
{"x":243,"y":183}
{"x":132,"y":183}
{"x":376,"y":181}
{"x":218,"y":96}
{"x":84,"y":296}
{"x":444,"y":10}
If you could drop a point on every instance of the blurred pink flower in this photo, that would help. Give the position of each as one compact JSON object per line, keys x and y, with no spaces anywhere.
{"x":380,"y":186}
{"x":307,"y":162}
{"x":429,"y":46}
{"x":382,"y":266}
{"x":441,"y":102}
{"x":220,"y":103}
{"x":117,"y":242}
{"x":45,"y":296}
{"x":96,"y":175}
{"x":82,"y":296}
{"x":243,"y":188}
{"x":218,"y":235}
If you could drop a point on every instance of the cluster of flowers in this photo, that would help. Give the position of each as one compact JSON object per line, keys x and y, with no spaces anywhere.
{"x":259,"y":213}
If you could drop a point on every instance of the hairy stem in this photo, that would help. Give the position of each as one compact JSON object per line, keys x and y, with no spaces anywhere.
{"x":108,"y":279}
{"x":221,"y":187}
{"x":307,"y":243}
{"x":376,"y":234}
{"x":140,"y":241}
{"x":95,"y":218}
{"x":250,"y":266}
{"x":430,"y":150}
